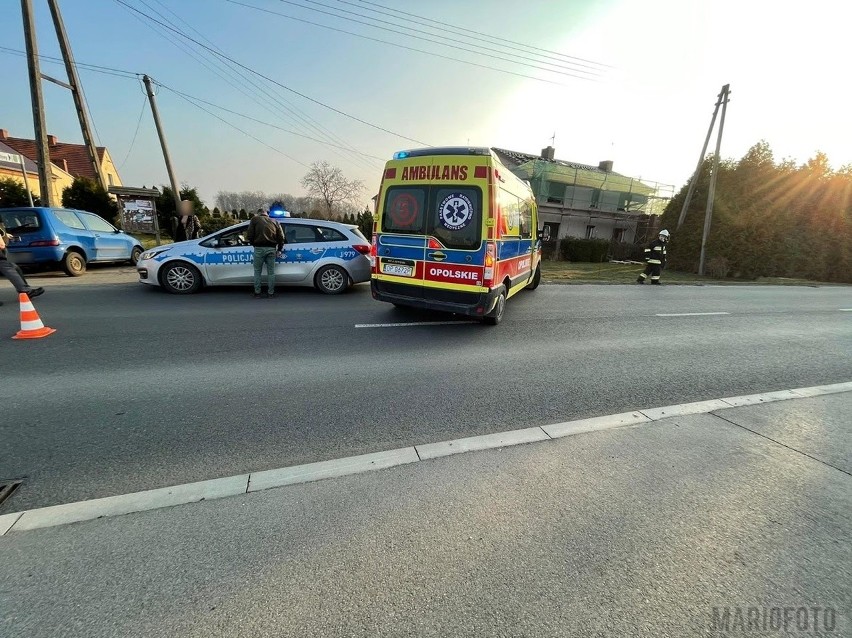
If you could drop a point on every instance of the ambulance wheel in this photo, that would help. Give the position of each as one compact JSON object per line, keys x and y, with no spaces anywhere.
{"x":496,"y":315}
{"x":332,"y":280}
{"x":536,"y":280}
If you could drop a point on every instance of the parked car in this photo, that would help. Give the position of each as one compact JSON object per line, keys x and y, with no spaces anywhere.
{"x":66,"y":238}
{"x":327,"y":255}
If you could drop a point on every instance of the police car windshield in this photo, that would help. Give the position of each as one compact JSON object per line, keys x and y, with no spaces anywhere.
{"x":451,"y":214}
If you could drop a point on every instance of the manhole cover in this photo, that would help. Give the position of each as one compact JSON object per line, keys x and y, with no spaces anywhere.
{"x":7,"y":488}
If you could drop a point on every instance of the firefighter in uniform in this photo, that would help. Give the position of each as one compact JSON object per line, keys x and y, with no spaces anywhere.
{"x":655,"y":257}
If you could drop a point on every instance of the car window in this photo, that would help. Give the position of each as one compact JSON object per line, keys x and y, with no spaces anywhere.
{"x":236,"y":237}
{"x":96,"y":223}
{"x":452,"y":214}
{"x":300,"y":234}
{"x":17,"y":222}
{"x":330,"y":234}
{"x":69,"y":219}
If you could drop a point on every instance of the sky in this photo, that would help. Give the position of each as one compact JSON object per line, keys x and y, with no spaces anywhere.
{"x":638,"y":88}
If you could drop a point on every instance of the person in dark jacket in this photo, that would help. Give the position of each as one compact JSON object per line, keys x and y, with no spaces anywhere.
{"x":268,"y":240}
{"x":188,"y":225}
{"x":12,"y":272}
{"x":655,"y":258}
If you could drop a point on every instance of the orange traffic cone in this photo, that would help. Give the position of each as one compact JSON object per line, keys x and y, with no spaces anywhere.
{"x":31,"y":325}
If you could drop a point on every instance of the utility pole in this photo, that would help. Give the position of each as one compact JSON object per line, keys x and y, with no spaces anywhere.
{"x":150,"y":91}
{"x":697,"y":172}
{"x":44,"y":172}
{"x":711,"y":193}
{"x":74,"y":85}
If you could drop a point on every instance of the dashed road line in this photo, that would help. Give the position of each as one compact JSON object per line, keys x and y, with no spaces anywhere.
{"x":411,"y":323}
{"x":689,"y":314}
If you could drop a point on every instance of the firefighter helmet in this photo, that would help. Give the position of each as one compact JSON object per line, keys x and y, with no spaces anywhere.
{"x":664,"y":234}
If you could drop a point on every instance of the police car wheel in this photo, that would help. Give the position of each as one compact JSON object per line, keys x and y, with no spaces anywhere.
{"x":332,"y":280}
{"x":496,"y":315}
{"x":536,"y":280}
{"x":180,"y":278}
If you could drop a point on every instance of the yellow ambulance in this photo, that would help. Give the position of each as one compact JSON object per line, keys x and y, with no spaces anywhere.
{"x":455,"y":231}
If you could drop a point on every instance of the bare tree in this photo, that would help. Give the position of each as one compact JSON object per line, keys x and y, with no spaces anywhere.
{"x":327,"y":183}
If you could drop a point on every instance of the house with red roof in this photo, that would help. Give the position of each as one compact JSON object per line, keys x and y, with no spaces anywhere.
{"x":67,"y":162}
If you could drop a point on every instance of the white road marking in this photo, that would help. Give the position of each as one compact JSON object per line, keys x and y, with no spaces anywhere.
{"x":689,"y":314}
{"x":410,"y":323}
{"x":162,"y":497}
{"x":845,"y":309}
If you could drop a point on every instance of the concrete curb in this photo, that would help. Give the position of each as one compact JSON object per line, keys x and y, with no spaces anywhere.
{"x":244,"y":483}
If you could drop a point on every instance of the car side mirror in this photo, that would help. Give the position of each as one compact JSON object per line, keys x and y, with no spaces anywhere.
{"x":118,"y":230}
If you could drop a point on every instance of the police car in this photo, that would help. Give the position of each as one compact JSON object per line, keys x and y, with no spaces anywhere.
{"x":327,"y":255}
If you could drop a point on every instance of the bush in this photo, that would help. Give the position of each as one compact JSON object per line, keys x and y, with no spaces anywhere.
{"x":584,"y":250}
{"x":13,"y":193}
{"x":626,"y":252}
{"x":718,"y":267}
{"x":86,"y":194}
{"x":211,"y":224}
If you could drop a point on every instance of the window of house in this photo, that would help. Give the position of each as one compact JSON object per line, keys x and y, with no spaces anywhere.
{"x":618,"y":234}
{"x":590,"y":232}
{"x":109,"y":177}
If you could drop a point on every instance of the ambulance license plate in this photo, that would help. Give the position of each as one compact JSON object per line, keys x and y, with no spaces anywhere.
{"x":397,"y":269}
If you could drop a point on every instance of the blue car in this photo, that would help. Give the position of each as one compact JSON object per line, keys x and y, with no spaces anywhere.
{"x":66,"y":238}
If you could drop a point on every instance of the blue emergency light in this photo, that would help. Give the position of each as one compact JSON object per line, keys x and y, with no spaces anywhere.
{"x":276,"y":211}
{"x":400,"y":155}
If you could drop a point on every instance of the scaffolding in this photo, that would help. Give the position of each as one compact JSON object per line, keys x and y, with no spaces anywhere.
{"x":581,"y":187}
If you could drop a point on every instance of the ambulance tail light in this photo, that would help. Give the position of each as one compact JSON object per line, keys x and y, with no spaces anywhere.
{"x":373,"y":251}
{"x":490,"y":258}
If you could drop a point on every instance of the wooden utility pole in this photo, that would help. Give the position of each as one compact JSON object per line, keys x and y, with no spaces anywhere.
{"x":711,"y":193}
{"x":175,"y":189}
{"x":697,"y":172}
{"x":74,"y":85}
{"x":44,"y":171}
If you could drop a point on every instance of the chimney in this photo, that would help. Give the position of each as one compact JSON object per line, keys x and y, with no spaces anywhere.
{"x":65,"y":165}
{"x":548,"y":153}
{"x":4,"y":134}
{"x":605,"y":166}
{"x":51,"y":140}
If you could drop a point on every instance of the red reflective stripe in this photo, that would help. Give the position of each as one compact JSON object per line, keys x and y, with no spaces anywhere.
{"x":480,"y":172}
{"x":390,"y":173}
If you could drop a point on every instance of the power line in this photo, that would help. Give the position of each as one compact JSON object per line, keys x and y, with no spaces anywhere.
{"x":452,"y":44}
{"x":269,"y":79}
{"x":234,"y":126}
{"x":248,"y":117}
{"x":475,"y":35}
{"x":96,"y":68}
{"x":138,"y":126}
{"x":400,"y":46}
{"x":210,"y":65}
{"x":287,"y":109}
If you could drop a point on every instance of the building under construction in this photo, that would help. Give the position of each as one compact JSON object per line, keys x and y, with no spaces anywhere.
{"x":581,"y":200}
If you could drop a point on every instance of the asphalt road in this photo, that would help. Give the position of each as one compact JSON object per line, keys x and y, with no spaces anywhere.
{"x":140,"y":389}
{"x":639,"y":531}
